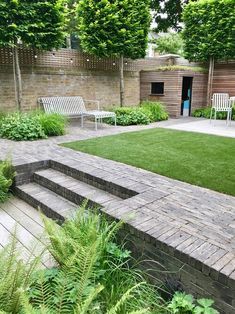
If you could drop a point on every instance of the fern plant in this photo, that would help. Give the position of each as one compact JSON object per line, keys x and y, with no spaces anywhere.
{"x":15,"y":277}
{"x":7,"y":175}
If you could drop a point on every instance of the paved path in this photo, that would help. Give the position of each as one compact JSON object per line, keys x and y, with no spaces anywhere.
{"x":217,"y":127}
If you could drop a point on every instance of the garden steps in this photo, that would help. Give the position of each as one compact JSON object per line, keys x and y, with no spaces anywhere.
{"x":50,"y":203}
{"x":72,"y":189}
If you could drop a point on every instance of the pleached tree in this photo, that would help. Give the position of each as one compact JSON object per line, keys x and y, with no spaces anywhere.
{"x":114,"y":28}
{"x":38,"y":24}
{"x":209,"y":33}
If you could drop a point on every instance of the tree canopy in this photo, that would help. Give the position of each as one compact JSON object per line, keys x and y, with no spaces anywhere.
{"x":36,"y":23}
{"x":170,"y":43}
{"x":209,"y":30}
{"x":168,"y":13}
{"x":114,"y":27}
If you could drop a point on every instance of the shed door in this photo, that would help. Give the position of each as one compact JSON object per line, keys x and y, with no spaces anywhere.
{"x":186,"y":96}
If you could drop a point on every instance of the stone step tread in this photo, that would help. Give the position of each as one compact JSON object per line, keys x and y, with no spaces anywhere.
{"x":83,"y":189}
{"x":48,"y":198}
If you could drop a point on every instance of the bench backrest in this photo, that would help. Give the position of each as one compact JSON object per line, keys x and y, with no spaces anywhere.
{"x":220,"y":101}
{"x":73,"y":105}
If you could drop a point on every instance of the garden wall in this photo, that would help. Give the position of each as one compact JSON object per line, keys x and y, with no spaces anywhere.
{"x":178,"y":271}
{"x":90,"y":84}
{"x":224,"y":78}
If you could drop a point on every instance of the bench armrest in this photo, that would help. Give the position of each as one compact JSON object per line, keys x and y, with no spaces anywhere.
{"x":94,"y":101}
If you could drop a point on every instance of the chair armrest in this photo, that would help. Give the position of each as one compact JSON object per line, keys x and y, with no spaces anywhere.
{"x":94,"y":101}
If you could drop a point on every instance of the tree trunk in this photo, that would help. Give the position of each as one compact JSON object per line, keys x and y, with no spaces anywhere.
{"x":121,"y":67}
{"x":210,"y":80}
{"x":17,"y":76}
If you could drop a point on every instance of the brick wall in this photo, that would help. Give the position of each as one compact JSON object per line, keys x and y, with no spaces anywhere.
{"x":176,"y":270}
{"x":90,"y":84}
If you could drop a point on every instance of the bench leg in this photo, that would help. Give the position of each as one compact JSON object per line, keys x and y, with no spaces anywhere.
{"x":115,"y":121}
{"x":82,"y":122}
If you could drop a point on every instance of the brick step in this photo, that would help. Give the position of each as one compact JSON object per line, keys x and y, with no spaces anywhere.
{"x":50,"y":203}
{"x":72,"y":189}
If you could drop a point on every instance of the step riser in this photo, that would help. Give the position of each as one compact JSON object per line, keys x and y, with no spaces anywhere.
{"x":37,"y":204}
{"x":64,"y":192}
{"x":99,"y":183}
{"x":25,"y":172}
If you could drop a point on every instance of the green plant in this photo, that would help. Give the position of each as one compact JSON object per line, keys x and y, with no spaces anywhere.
{"x":19,"y":126}
{"x":15,"y":277}
{"x":130,"y":116}
{"x":7,"y":174}
{"x":154,"y":110}
{"x":52,"y":124}
{"x":206,"y":113}
{"x":183,"y":303}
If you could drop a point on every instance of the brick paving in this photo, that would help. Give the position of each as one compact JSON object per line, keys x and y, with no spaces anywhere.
{"x":197,"y":225}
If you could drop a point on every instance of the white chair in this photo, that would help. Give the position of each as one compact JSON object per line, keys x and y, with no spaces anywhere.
{"x":221,"y":102}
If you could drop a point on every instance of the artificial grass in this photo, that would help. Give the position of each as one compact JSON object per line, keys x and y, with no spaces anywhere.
{"x":199,"y":159}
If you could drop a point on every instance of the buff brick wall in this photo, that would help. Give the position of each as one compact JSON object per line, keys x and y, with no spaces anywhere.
{"x":90,"y":84}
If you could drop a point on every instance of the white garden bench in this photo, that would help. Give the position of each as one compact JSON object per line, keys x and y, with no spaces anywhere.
{"x":74,"y":106}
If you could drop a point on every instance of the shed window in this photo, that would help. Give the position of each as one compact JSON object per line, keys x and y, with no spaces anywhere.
{"x":157,"y":88}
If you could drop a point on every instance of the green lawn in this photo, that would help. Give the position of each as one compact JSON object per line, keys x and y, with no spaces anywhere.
{"x":204,"y":160}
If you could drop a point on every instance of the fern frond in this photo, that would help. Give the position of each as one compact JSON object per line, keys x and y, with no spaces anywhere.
{"x":86,"y":306}
{"x":123,"y":299}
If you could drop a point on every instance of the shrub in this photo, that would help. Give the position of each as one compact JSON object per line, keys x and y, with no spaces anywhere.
{"x":7,"y":174}
{"x":130,"y":116}
{"x":154,"y":110}
{"x":206,"y":112}
{"x":31,"y":126}
{"x":52,"y":124}
{"x":19,"y":127}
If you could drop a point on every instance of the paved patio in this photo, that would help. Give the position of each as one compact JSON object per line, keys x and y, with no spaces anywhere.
{"x":217,"y":127}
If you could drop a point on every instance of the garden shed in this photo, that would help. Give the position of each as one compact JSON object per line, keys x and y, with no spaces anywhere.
{"x":181,"y":89}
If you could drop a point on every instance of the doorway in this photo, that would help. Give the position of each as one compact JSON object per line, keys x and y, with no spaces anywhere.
{"x":186,"y":96}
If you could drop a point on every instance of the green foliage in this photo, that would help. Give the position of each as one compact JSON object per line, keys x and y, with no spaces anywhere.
{"x":15,"y":277}
{"x":19,"y":127}
{"x":209,"y":30}
{"x":52,"y":124}
{"x":130,"y":116}
{"x":170,"y":43}
{"x":94,"y":275}
{"x":184,"y":304}
{"x":146,"y":113}
{"x":36,"y":23}
{"x":154,"y":110}
{"x":2,"y":115}
{"x":31,"y":126}
{"x":206,"y":112}
{"x":181,"y":68}
{"x":7,"y":174}
{"x":114,"y":27}
{"x":168,"y":14}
